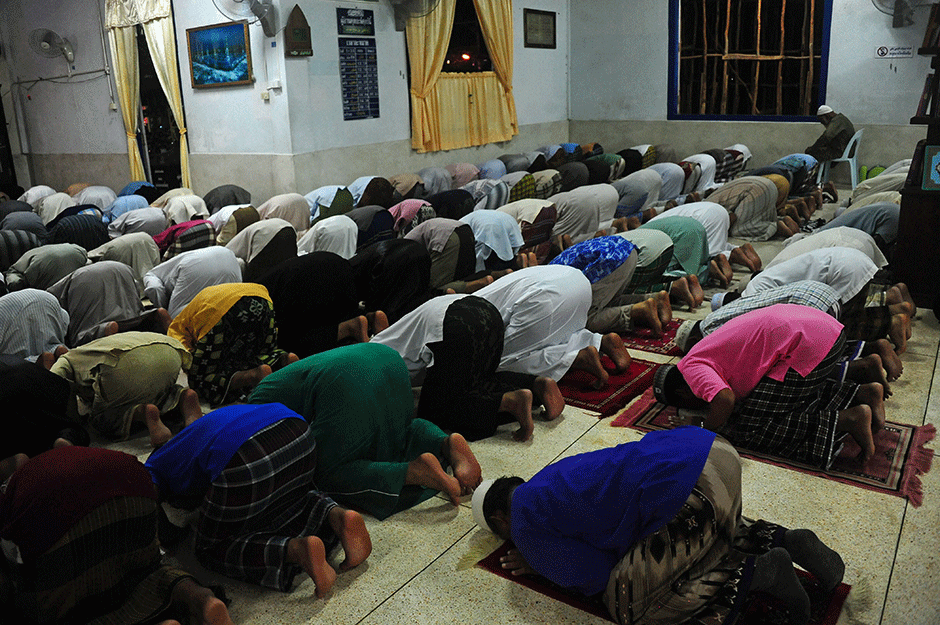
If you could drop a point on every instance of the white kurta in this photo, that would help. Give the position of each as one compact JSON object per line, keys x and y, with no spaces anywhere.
{"x":174,"y":283}
{"x":545,"y":311}
{"x":411,"y":335}
{"x":713,"y":216}
{"x":707,"y":163}
{"x":846,"y":270}
{"x":338,"y":234}
{"x":836,"y":237}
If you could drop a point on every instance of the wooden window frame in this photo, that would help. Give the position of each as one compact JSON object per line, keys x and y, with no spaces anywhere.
{"x":674,"y":72}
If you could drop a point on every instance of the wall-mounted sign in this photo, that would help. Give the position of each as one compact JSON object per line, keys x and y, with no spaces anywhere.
{"x":359,"y":78}
{"x":894,"y":52}
{"x":297,"y":35}
{"x":355,"y":22}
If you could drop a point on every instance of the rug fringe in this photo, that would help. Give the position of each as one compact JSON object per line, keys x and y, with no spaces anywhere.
{"x":920,"y":460}
{"x":860,"y":599}
{"x":482,"y":544}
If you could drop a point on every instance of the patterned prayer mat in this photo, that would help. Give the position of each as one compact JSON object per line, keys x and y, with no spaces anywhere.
{"x":620,"y":389}
{"x":763,"y":611}
{"x":900,"y":456}
{"x":643,"y":339}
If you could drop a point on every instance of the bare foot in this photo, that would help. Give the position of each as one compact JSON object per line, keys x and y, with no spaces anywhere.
{"x":309,"y":553}
{"x":496,"y":275}
{"x":9,"y":466}
{"x":725,"y":267}
{"x":906,"y":295}
{"x":518,"y":403}
{"x":546,"y":392}
{"x":60,"y":351}
{"x":150,"y":414}
{"x":46,"y":360}
{"x":110,"y":329}
{"x":249,"y":378}
{"x":899,"y":331}
{"x":566,"y":242}
{"x":533,"y":261}
{"x":889,"y":359}
{"x":356,"y":329}
{"x":203,"y":606}
{"x":588,"y":359}
{"x":696,"y":287}
{"x":353,"y":535}
{"x":752,"y":254}
{"x":620,"y":224}
{"x":872,"y":395}
{"x":287,"y":358}
{"x":681,"y":292}
{"x":869,"y":369}
{"x":646,"y":314}
{"x":476,"y":285}
{"x":463,"y":463}
{"x":426,"y":471}
{"x":634,"y":222}
{"x":522,"y":260}
{"x":612,"y":346}
{"x":378,"y":321}
{"x":189,"y":406}
{"x":740,"y":257}
{"x":599,"y":234}
{"x":663,"y":307}
{"x":857,"y":422}
{"x":61,"y":442}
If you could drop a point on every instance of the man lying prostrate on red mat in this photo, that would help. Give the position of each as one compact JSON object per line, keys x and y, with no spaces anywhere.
{"x":625,"y":523}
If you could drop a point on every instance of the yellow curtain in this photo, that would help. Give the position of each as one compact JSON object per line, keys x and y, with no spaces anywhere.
{"x":161,"y":42}
{"x":471,"y":109}
{"x":428,"y":38}
{"x":123,"y":43}
{"x":496,"y":23}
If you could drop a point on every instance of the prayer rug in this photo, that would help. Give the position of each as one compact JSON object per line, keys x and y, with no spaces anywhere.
{"x":620,"y":388}
{"x":643,"y":339}
{"x":900,"y":456}
{"x":763,"y":611}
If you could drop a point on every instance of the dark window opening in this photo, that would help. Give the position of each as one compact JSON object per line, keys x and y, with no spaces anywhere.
{"x":161,"y":145}
{"x":749,"y":57}
{"x":467,"y":50}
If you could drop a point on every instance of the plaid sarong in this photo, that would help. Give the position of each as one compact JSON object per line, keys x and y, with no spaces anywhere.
{"x":547,"y":183}
{"x":539,"y":230}
{"x":650,"y":157}
{"x":646,"y":277}
{"x":262,"y":499}
{"x":796,"y":418}
{"x":198,"y":235}
{"x":105,"y":569}
{"x":866,"y":316}
{"x":523,"y":189}
{"x":244,"y":338}
{"x":724,"y":162}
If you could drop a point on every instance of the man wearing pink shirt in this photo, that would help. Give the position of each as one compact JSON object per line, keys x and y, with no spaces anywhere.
{"x":769,"y":381}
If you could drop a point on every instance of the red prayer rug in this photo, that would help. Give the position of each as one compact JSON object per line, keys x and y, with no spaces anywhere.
{"x":643,"y":339}
{"x":900,"y":456}
{"x":620,"y":388}
{"x":763,"y":610}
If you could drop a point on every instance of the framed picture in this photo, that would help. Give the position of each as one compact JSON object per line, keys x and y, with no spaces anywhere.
{"x":931,"y":168}
{"x":539,"y":28}
{"x":220,"y":55}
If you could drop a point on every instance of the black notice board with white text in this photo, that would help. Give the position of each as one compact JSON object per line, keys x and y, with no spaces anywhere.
{"x":359,"y":78}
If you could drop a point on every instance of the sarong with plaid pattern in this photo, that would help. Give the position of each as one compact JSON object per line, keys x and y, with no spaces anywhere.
{"x":650,"y":158}
{"x":547,"y":183}
{"x":866,"y":316}
{"x":523,"y":189}
{"x":796,"y":418}
{"x":262,"y":499}
{"x":539,"y":230}
{"x":244,"y":338}
{"x":649,"y":278}
{"x":201,"y":234}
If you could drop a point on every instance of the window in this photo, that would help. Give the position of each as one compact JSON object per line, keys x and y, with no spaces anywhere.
{"x":467,"y":50}
{"x":747,"y":59}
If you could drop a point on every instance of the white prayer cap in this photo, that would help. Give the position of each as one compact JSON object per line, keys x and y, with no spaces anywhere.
{"x":477,"y":503}
{"x":684,"y":334}
{"x":822,"y":110}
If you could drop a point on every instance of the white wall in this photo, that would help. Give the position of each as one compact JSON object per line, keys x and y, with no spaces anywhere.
{"x":619,"y":65}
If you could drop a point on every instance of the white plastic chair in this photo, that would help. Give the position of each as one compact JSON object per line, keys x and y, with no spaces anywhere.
{"x":850,"y":156}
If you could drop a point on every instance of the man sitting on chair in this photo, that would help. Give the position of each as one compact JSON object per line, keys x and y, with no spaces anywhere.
{"x":839,"y":131}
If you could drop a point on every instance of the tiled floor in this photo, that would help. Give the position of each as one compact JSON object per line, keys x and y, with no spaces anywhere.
{"x":421,"y":568}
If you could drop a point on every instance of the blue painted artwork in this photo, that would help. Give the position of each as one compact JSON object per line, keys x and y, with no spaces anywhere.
{"x":220,"y":56}
{"x":931,"y":168}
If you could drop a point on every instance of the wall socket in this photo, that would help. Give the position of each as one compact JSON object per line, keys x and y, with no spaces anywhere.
{"x":266,"y":96}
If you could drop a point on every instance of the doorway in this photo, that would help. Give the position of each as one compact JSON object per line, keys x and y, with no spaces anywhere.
{"x":160,"y":140}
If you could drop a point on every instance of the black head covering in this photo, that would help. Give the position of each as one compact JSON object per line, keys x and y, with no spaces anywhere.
{"x":85,"y":230}
{"x":375,"y":224}
{"x":573,"y":175}
{"x":148,"y":192}
{"x":379,"y":192}
{"x":633,"y":161}
{"x":312,"y":294}
{"x":393,"y":276}
{"x":598,"y":171}
{"x":225,"y":195}
{"x":454,"y":204}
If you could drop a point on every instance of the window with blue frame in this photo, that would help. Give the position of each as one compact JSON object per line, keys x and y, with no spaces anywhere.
{"x":748,"y":59}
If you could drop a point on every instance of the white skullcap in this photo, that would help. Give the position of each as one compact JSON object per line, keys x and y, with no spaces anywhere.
{"x":477,"y":504}
{"x":822,"y":110}
{"x":717,"y":300}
